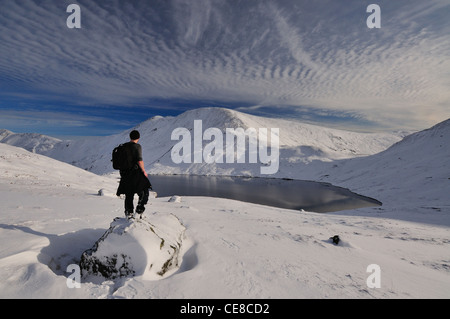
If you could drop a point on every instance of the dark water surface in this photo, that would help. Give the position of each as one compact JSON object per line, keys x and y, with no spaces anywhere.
{"x":283,"y":193}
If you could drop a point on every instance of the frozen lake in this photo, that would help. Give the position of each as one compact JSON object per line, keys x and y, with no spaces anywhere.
{"x":283,"y":193}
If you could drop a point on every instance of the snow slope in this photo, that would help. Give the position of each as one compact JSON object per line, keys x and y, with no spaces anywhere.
{"x":300,"y":145}
{"x":51,"y":213}
{"x":411,"y":178}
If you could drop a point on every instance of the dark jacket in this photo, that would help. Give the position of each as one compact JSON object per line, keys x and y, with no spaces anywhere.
{"x":133,"y":181}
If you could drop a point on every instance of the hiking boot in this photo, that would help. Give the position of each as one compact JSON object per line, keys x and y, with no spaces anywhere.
{"x":140,"y":209}
{"x":129,"y":214}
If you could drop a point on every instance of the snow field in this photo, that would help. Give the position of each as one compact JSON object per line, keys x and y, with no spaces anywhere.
{"x":50,"y":212}
{"x":230,"y":250}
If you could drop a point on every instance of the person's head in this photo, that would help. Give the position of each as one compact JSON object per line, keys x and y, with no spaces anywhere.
{"x":134,"y":135}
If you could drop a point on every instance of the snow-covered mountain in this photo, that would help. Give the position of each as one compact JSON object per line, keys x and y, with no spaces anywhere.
{"x":413,"y":174}
{"x":51,"y":214}
{"x":33,"y":142}
{"x":300,"y":144}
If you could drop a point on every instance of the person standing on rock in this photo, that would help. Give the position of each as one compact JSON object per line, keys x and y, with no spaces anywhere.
{"x":134,"y":180}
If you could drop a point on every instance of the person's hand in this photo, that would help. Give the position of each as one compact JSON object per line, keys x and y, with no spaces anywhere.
{"x":145,"y":173}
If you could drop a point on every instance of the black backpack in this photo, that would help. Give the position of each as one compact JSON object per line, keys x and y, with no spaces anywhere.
{"x":122,"y":158}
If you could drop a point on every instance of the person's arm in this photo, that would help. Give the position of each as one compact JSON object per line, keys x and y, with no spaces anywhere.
{"x":140,"y":161}
{"x":141,"y":165}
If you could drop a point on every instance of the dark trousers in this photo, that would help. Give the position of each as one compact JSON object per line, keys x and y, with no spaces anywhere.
{"x":143,"y":199}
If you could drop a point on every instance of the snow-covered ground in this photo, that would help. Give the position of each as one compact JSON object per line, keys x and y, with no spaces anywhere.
{"x":51,"y":212}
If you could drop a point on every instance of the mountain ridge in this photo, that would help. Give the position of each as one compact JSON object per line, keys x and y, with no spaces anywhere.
{"x":300,"y":143}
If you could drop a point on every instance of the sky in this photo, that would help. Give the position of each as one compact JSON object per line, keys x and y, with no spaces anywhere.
{"x":312,"y":61}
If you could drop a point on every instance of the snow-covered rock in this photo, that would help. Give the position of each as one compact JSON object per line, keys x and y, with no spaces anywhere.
{"x":175,"y":199}
{"x":147,"y":247}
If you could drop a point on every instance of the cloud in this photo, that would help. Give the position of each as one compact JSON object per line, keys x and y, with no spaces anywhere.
{"x":292,"y":53}
{"x":28,"y":118}
{"x":52,"y":120}
{"x":192,"y":18}
{"x":291,"y":38}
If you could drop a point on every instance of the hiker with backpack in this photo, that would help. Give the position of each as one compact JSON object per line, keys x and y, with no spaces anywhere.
{"x":127,"y":158}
